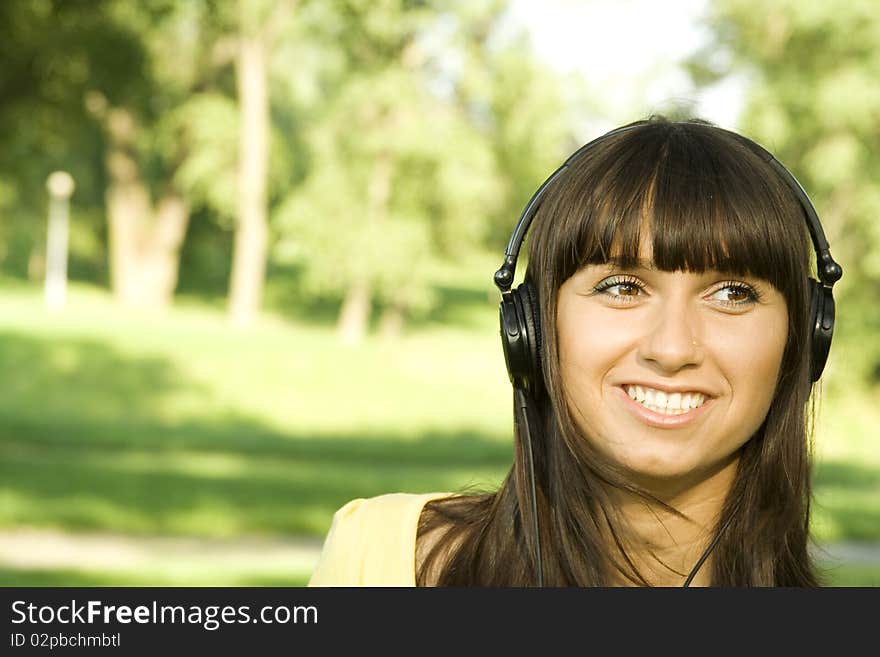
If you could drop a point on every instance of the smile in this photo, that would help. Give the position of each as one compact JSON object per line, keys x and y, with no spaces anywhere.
{"x":690,"y":406}
{"x":674,"y":403}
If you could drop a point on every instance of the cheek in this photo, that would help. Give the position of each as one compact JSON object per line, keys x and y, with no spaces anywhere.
{"x":754,"y":365}
{"x":589,"y":347}
{"x":588,"y":344}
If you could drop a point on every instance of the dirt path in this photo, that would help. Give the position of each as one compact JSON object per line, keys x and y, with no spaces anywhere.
{"x":51,"y":549}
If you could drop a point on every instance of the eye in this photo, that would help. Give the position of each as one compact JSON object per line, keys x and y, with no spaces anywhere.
{"x":623,"y":289}
{"x":733,"y":294}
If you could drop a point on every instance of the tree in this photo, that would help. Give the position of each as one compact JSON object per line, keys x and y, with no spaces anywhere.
{"x":150,"y":142}
{"x":397,"y":171}
{"x":259,"y":24}
{"x":431,"y":130}
{"x":138,"y":99}
{"x":525,"y":116}
{"x":814,"y":101}
{"x":52,"y":53}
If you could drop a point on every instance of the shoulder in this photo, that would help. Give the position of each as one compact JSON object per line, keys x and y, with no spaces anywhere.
{"x":379,"y":507}
{"x":381,"y":513}
{"x":371,"y":542}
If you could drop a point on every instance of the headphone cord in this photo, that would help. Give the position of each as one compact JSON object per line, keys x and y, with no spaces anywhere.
{"x":709,"y":549}
{"x":522,"y":405}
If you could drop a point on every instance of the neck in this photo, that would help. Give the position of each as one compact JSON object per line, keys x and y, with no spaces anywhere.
{"x":667,"y":545}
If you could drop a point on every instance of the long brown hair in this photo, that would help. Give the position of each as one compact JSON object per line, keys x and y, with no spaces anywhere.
{"x":708,"y":202}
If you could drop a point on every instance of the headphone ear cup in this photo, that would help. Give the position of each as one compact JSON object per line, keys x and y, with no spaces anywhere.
{"x":513,"y":340}
{"x":532,"y":313}
{"x":821,"y":327}
{"x":521,"y":336}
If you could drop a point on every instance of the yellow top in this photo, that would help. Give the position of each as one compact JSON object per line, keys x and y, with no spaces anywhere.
{"x":372,"y":542}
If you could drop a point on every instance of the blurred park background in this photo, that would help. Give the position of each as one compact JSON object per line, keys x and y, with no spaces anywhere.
{"x":246,"y":252}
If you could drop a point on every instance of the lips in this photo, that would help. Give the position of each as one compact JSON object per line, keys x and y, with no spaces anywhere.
{"x":660,"y":420}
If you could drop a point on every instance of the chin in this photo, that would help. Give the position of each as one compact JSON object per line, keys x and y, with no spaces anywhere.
{"x":657,"y":468}
{"x":659,"y":473}
{"x":668,"y":475}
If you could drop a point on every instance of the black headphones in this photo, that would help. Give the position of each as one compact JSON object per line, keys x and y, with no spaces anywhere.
{"x":520,"y":313}
{"x":521,"y":322}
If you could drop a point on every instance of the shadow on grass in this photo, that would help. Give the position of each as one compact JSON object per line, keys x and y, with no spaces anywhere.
{"x":848,"y":497}
{"x":54,"y":577}
{"x":203,"y":481}
{"x":852,"y":575}
{"x":83,"y":446}
{"x":80,"y":380}
{"x":231,"y":486}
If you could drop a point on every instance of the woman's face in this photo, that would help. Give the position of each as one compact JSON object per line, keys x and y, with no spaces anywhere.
{"x":669,"y":374}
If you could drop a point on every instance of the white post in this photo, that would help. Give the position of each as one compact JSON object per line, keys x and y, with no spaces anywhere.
{"x":60,"y":186}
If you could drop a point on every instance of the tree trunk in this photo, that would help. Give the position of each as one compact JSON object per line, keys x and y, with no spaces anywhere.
{"x":391,"y":322}
{"x":251,"y":232}
{"x":354,"y":317}
{"x":144,"y":242}
{"x":161,"y":260}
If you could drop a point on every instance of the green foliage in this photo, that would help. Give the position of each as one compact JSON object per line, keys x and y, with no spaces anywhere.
{"x":205,"y":129}
{"x":208,"y":123}
{"x":438,"y":189}
{"x":402,"y":133}
{"x":52,"y":54}
{"x":65,"y":64}
{"x":462,"y":123}
{"x":400,"y":175}
{"x":531,"y":130}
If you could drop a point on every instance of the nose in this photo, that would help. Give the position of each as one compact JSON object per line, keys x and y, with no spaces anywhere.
{"x":670,"y":342}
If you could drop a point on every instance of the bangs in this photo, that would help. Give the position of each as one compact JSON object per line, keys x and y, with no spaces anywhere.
{"x":699,"y":199}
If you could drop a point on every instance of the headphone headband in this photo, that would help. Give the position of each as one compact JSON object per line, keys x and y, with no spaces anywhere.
{"x":827,"y":269}
{"x":504,"y":276}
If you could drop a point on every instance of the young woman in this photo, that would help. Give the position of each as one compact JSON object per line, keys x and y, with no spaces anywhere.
{"x":662,"y":349}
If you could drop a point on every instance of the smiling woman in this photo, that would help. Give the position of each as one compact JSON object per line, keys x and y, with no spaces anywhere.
{"x":662,"y":349}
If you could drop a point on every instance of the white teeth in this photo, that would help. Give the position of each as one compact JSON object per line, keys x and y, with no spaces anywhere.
{"x":659,"y":401}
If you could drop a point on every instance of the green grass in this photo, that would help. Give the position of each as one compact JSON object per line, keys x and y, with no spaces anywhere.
{"x":854,"y":575}
{"x":178,"y":424}
{"x":847,"y":478}
{"x":68,"y":577}
{"x":843,"y":575}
